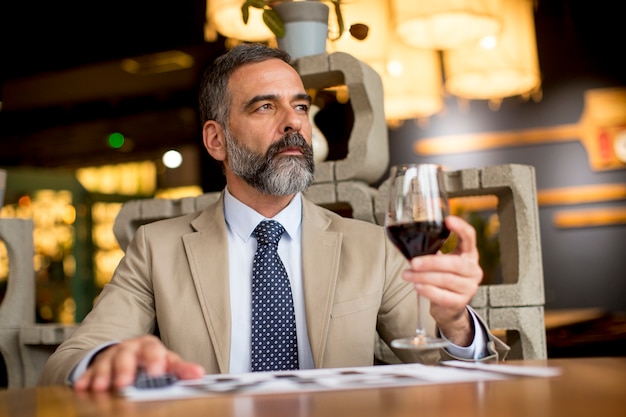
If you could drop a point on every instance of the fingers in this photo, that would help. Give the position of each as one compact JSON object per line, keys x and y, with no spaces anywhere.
{"x":442,"y":269}
{"x":466,"y":236}
{"x":449,"y":281}
{"x":185,"y":370}
{"x":445,"y":289}
{"x":116,"y":367}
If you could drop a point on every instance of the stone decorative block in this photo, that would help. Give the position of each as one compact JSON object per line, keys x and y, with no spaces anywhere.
{"x":357,"y":194}
{"x":463,"y":182}
{"x":37,"y":343}
{"x":380,"y":202}
{"x":134,"y":213}
{"x":529,"y":323}
{"x":368,"y":152}
{"x":520,"y":240}
{"x":360,"y":196}
{"x":18,"y":306}
{"x":480,"y":299}
{"x":325,"y":193}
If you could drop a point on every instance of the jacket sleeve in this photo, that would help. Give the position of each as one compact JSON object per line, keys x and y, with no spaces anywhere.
{"x":124,"y":309}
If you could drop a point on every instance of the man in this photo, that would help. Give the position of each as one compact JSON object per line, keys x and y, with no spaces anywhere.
{"x":190,"y":277}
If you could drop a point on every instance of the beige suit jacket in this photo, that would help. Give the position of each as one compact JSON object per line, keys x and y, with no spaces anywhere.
{"x":175,"y":273}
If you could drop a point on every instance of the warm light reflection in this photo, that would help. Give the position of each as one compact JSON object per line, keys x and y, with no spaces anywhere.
{"x":135,"y":178}
{"x":374,"y":14}
{"x":445,"y":24}
{"x":107,"y":252}
{"x":53,"y":215}
{"x":158,"y":63}
{"x":488,"y":42}
{"x":4,"y":262}
{"x":509,"y":68}
{"x":225,"y":16}
{"x":412,"y":82}
{"x":179,"y":192}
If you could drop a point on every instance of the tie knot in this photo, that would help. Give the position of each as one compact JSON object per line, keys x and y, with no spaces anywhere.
{"x":269,"y":232}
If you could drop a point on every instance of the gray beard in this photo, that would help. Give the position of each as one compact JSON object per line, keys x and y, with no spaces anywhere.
{"x":269,"y":174}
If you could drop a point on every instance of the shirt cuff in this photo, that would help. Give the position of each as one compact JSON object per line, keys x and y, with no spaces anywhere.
{"x":478,"y":348}
{"x":82,"y":366}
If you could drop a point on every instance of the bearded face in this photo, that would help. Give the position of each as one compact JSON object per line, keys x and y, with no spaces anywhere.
{"x":270,"y":172}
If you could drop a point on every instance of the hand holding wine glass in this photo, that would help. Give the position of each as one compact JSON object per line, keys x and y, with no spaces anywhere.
{"x":415,"y":223}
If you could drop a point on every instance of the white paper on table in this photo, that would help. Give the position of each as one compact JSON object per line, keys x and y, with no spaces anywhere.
{"x":517,"y":370}
{"x":312,"y":380}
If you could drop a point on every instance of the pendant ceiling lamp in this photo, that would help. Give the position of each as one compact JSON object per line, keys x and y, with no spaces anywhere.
{"x":508,"y":67}
{"x":412,"y":83}
{"x":411,"y":77}
{"x":444,"y":24}
{"x":225,"y":17}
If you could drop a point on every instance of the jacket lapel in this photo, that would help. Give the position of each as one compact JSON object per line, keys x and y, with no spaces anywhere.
{"x":207,"y":251}
{"x":320,"y":263}
{"x":207,"y":254}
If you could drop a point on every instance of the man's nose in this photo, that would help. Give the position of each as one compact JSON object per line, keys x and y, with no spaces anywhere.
{"x":293,"y":122}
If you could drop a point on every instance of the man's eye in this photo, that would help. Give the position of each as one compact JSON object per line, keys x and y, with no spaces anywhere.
{"x":303,"y":107}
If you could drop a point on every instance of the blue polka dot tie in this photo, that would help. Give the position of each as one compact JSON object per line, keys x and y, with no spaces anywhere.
{"x":274,"y":341}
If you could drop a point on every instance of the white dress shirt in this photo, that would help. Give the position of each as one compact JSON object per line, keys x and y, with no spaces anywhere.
{"x":241,"y":221}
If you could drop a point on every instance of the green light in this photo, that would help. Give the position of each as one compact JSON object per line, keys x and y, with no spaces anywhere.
{"x":116,"y":140}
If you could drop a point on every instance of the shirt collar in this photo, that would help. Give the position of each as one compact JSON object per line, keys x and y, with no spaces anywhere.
{"x":243,"y":220}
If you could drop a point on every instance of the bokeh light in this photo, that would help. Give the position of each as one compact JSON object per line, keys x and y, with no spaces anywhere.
{"x":172,"y":159}
{"x":116,"y":140}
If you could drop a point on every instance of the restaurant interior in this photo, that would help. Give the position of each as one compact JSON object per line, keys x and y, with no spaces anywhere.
{"x":98,"y":107}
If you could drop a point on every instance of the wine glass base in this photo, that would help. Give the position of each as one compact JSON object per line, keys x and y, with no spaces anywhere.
{"x":419,"y":342}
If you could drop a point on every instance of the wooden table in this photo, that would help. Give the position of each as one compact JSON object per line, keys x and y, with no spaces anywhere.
{"x":586,"y":387}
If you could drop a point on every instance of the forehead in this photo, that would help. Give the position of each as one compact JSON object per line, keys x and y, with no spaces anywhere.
{"x":272,"y":76}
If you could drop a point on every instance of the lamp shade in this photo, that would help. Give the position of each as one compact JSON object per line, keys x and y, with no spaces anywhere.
{"x":509,"y":68}
{"x":225,"y":16}
{"x":444,"y":24}
{"x":412,"y":82}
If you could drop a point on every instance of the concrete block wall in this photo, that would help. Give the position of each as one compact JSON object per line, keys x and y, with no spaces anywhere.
{"x":516,"y":305}
{"x":368,"y":151}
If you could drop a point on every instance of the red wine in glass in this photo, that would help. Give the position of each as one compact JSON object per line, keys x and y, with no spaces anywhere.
{"x":418,"y":238}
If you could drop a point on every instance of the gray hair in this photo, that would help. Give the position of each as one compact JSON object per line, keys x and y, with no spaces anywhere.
{"x":214,"y":97}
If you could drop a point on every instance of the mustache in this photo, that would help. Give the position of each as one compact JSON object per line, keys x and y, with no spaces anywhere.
{"x":290,"y":140}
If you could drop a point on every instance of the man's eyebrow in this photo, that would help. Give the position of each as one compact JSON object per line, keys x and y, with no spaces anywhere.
{"x":304,"y":96}
{"x":272,"y":97}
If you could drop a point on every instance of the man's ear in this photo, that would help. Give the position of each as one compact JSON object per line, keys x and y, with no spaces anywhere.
{"x":213,"y":139}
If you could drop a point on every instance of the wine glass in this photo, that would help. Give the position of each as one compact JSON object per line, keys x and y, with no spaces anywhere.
{"x":417,"y":208}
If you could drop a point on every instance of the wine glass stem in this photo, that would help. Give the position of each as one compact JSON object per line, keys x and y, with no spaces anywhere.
{"x":420,"y":331}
